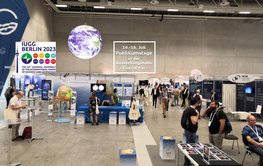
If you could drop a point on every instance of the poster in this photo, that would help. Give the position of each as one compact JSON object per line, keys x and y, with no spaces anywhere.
{"x":134,"y":57}
{"x":127,"y":89}
{"x":118,"y":86}
{"x":35,"y":57}
{"x":46,"y":87}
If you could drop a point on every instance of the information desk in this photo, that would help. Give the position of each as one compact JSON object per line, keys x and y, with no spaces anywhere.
{"x":194,"y":152}
{"x":105,"y":112}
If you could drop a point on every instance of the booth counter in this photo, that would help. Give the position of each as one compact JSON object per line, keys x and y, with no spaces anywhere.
{"x":105,"y":112}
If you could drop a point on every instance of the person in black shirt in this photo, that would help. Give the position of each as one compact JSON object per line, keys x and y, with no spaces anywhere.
{"x":92,"y":111}
{"x":192,"y":115}
{"x":9,"y":93}
{"x":155,"y":94}
{"x":216,"y":124}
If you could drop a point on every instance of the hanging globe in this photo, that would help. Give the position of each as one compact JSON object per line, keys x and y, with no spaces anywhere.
{"x":84,"y":41}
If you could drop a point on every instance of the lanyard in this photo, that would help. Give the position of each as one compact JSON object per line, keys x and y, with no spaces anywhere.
{"x":212,"y":117}
{"x":254,"y":130}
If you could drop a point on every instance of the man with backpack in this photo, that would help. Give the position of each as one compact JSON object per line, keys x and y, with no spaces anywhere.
{"x":217,"y":123}
{"x":9,"y":93}
{"x":189,"y":122}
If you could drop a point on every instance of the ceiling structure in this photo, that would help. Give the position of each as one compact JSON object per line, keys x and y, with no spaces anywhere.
{"x":252,"y":9}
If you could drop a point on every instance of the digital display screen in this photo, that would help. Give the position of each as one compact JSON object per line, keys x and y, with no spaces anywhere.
{"x":248,"y":90}
{"x":98,"y":88}
{"x":46,"y":86}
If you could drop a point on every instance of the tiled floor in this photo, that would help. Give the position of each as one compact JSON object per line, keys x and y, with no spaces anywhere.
{"x":67,"y":144}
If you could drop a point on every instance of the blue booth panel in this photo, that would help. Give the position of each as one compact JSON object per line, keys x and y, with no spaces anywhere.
{"x":105,"y":112}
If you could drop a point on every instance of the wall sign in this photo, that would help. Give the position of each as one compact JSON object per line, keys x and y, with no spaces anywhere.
{"x":241,"y":78}
{"x":134,"y":57}
{"x":35,"y":57}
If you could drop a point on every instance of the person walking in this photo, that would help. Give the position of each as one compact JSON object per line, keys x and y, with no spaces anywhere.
{"x":176,"y":93}
{"x":189,"y":122}
{"x":184,"y":94}
{"x":155,"y":94}
{"x":165,"y":101}
{"x":216,"y":124}
{"x":198,"y":97}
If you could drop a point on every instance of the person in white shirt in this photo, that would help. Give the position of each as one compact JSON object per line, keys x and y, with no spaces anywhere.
{"x":16,"y":106}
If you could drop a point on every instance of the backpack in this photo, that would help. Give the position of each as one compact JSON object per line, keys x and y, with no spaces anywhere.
{"x":27,"y":133}
{"x":185,"y":119}
{"x":8,"y":92}
{"x":228,"y":127}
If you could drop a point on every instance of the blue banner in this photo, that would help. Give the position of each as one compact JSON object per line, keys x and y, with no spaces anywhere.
{"x":13,"y":20}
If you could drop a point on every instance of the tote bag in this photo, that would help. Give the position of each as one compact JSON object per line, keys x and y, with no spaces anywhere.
{"x":9,"y":114}
{"x":97,"y":111}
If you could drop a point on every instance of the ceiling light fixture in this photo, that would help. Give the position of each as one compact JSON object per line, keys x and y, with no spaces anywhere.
{"x":99,"y":7}
{"x":172,"y":10}
{"x":136,"y":8}
{"x":244,"y":12}
{"x":61,"y":5}
{"x":208,"y":11}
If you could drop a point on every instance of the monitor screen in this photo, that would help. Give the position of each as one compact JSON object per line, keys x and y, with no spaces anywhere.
{"x":98,"y":87}
{"x":248,"y":90}
{"x":143,"y":82}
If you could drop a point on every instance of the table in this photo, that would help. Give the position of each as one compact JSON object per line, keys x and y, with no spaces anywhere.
{"x":105,"y":111}
{"x":9,"y":123}
{"x":196,"y":157}
{"x":32,"y":109}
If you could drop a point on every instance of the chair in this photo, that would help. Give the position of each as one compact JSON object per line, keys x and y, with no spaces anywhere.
{"x":233,"y":138}
{"x":248,"y":151}
{"x":258,"y":111}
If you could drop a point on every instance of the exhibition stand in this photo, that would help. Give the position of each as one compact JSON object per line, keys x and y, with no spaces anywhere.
{"x":198,"y":155}
{"x":105,"y":112}
{"x":167,"y":148}
{"x":9,"y":123}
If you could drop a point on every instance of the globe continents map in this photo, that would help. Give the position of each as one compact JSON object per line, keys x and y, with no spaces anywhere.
{"x":84,"y":42}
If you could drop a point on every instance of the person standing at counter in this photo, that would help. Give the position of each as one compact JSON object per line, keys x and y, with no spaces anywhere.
{"x":115,"y":97}
{"x":94,"y":102}
{"x":12,"y":113}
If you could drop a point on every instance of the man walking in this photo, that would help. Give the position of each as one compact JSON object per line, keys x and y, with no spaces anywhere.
{"x":155,"y":94}
{"x":216,"y":124}
{"x":189,"y":122}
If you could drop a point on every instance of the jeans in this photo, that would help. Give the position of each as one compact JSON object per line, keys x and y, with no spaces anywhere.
{"x":176,"y":99}
{"x":154,"y":100}
{"x":190,"y":138}
{"x":258,"y":150}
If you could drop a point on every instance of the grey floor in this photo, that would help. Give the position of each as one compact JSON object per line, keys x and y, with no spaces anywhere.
{"x":67,"y":144}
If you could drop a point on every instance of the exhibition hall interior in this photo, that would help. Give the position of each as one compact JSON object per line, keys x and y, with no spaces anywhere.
{"x":131,"y":82}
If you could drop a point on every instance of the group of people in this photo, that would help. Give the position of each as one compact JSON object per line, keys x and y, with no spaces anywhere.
{"x":252,"y":134}
{"x":94,"y":102}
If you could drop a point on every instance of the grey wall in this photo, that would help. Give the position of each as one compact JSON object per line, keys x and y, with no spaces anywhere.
{"x":216,"y":47}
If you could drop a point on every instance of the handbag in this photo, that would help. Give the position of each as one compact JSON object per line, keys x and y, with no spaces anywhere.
{"x":97,"y":111}
{"x":9,"y":114}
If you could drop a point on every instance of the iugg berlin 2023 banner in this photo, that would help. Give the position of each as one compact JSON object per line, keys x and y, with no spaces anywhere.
{"x":35,"y":57}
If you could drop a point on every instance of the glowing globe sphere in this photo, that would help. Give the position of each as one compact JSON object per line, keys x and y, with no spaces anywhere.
{"x":64,"y":93}
{"x":84,"y":42}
